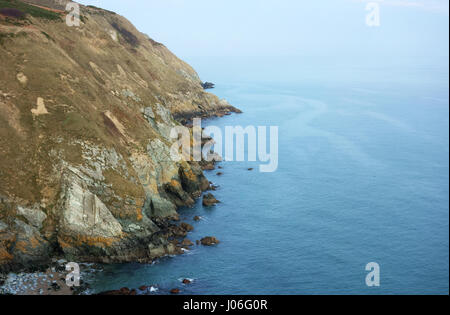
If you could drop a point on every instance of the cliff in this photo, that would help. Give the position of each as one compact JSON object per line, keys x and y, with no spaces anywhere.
{"x":85,"y":116}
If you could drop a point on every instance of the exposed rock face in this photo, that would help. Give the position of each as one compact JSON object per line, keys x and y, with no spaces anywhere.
{"x":83,"y":214}
{"x":85,"y":120}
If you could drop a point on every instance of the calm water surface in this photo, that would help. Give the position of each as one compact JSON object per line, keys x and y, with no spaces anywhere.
{"x":363,"y":177}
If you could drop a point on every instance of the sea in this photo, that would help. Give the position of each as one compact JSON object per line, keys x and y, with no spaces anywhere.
{"x":362,"y":177}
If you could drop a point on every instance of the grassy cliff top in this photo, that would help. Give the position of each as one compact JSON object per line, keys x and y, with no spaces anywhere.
{"x":19,"y":9}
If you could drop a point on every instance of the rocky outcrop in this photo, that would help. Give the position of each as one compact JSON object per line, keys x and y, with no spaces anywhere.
{"x":208,"y":85}
{"x":85,"y":120}
{"x":187,"y":243}
{"x":209,"y":200}
{"x":209,"y":241}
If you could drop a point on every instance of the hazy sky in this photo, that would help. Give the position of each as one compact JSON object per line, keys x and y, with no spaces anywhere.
{"x":193,"y":28}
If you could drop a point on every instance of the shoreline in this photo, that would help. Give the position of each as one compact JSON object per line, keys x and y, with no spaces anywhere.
{"x":48,"y":278}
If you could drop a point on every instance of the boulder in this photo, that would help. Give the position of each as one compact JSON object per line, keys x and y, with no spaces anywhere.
{"x":208,"y":166}
{"x":208,"y":85}
{"x":209,"y":200}
{"x":178,"y":231}
{"x":187,"y":227}
{"x":186,"y":243}
{"x":209,"y":241}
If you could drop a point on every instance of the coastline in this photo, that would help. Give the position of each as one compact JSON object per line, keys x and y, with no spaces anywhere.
{"x":96,"y":182}
{"x":48,"y":278}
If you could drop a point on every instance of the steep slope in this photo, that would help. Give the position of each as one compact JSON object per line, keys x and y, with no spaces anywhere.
{"x":85,"y":116}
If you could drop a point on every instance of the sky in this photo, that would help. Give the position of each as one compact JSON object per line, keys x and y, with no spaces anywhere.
{"x":281,"y":28}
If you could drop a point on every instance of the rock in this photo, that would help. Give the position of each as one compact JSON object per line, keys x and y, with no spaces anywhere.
{"x":208,"y":166}
{"x":209,"y":200}
{"x":186,"y":281}
{"x":148,"y":113}
{"x":143,"y":288}
{"x":209,"y":241}
{"x":186,"y":243}
{"x":197,"y":218}
{"x":3,"y":226}
{"x":85,"y":215}
{"x":34,"y":216}
{"x":219,"y":174}
{"x":125,"y":291}
{"x":175,"y":291}
{"x":187,"y":227}
{"x":178,"y":231}
{"x":155,"y":251}
{"x":55,"y":286}
{"x":208,"y":85}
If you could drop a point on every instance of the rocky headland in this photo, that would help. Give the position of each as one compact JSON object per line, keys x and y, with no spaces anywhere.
{"x":85,"y":118}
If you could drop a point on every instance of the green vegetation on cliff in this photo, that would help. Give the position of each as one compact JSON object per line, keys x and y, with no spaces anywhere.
{"x":26,"y":8}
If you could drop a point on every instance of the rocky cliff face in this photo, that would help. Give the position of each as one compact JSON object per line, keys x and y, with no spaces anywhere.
{"x":85,"y":116}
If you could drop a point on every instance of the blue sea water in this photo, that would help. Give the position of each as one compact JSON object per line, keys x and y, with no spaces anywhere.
{"x":363,"y":177}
